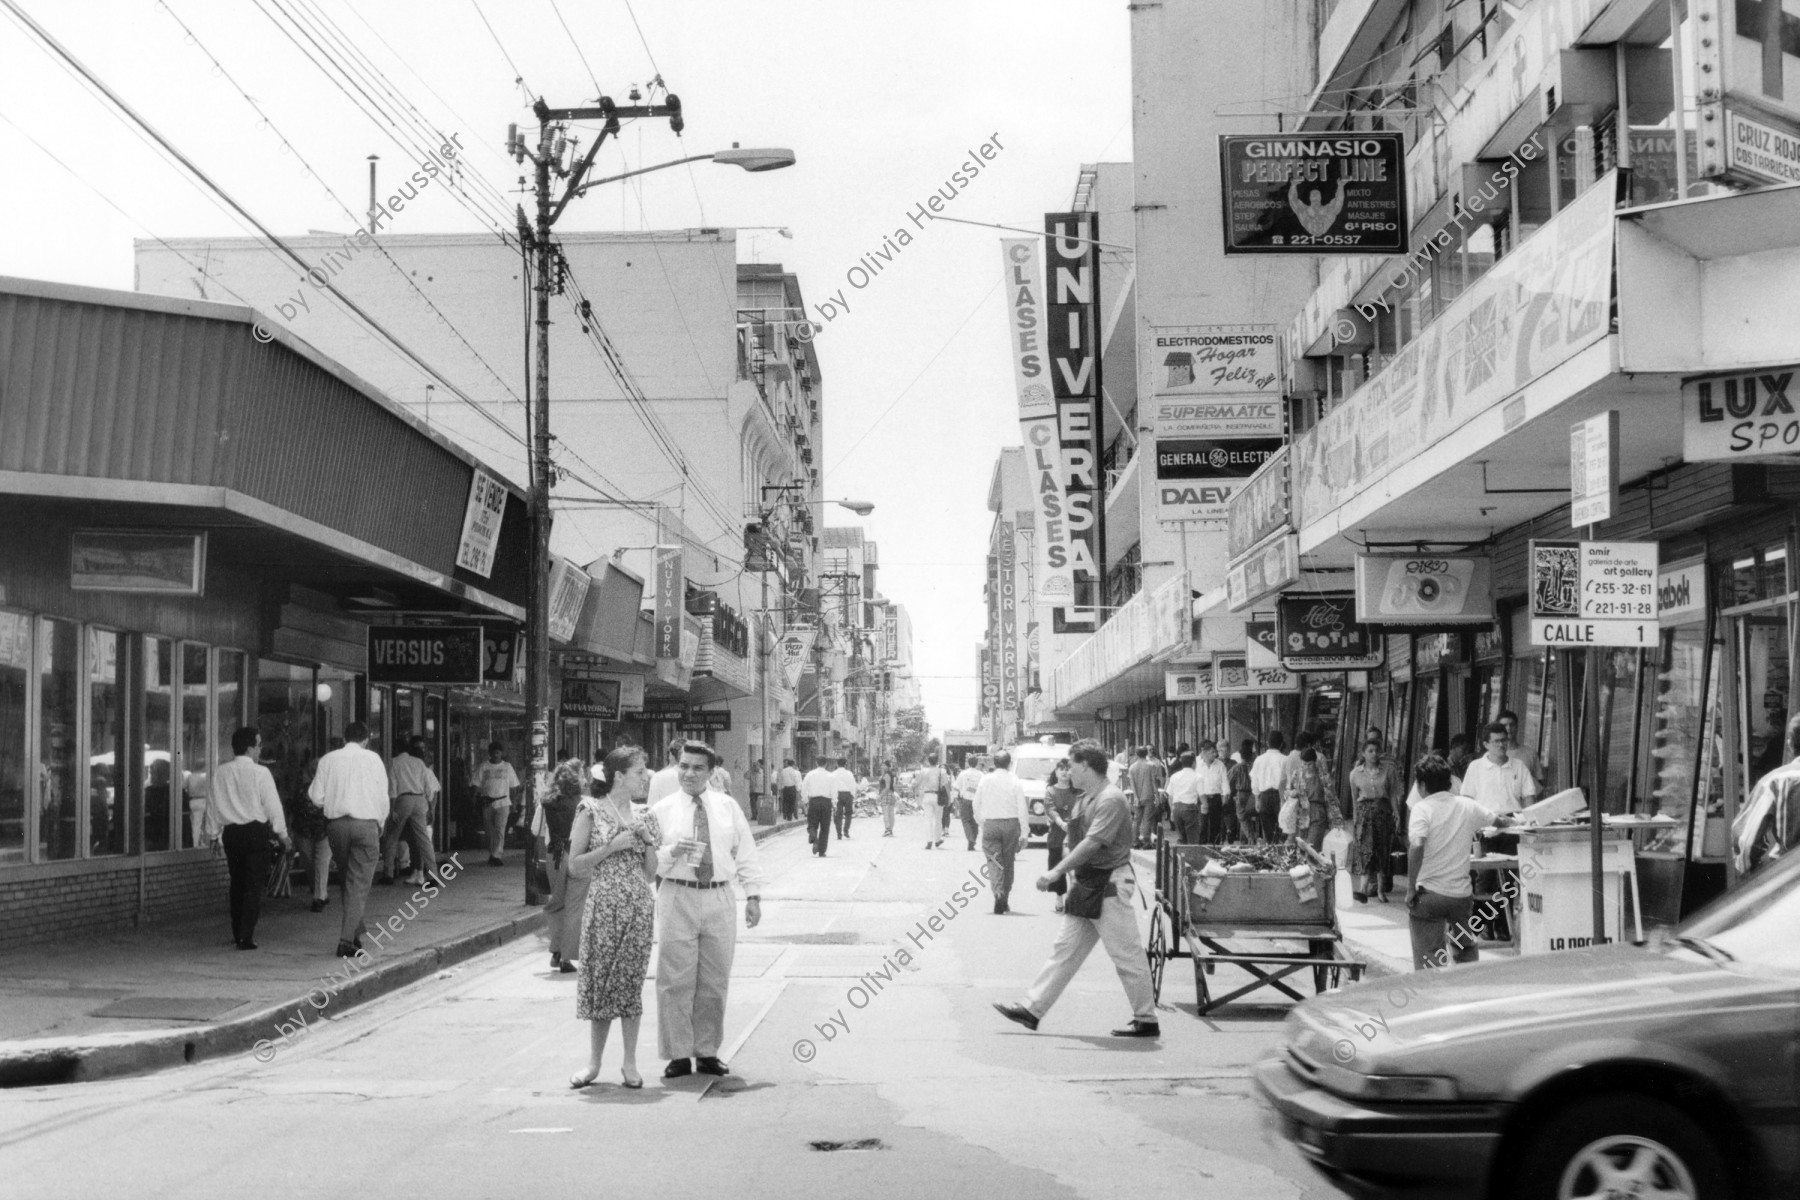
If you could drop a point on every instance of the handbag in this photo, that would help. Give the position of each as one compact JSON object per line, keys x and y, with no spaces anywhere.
{"x":540,"y":877}
{"x":1088,"y":891}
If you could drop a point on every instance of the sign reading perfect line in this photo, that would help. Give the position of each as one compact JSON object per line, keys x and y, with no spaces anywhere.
{"x":426,"y":654}
{"x":1339,"y":193}
{"x":1072,"y":278}
{"x":1037,"y":418}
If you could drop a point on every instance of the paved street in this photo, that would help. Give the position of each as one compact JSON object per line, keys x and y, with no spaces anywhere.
{"x":458,"y":1084}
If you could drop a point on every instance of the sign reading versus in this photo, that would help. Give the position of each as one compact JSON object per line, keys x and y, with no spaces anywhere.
{"x":426,"y":653}
{"x":1593,"y":594}
{"x":1341,"y":193}
{"x":481,"y":525}
{"x":1321,"y":633}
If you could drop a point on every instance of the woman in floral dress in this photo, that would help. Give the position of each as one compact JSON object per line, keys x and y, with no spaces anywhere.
{"x":618,"y":845}
{"x":1376,"y":794}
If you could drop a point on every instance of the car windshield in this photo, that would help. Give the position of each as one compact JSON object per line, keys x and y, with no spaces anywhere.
{"x":1033,"y":768}
{"x":1754,"y":925}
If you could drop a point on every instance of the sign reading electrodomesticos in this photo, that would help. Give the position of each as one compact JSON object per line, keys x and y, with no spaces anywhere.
{"x":1314,"y":194}
{"x":1215,"y":381}
{"x":1072,"y":335}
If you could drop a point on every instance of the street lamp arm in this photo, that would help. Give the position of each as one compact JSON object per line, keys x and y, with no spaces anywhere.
{"x":593,"y":183}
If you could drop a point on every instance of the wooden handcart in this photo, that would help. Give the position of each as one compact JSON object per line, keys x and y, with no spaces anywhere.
{"x":1256,"y":907}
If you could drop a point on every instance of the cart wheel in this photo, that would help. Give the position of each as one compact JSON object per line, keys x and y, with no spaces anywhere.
{"x":1157,"y":950}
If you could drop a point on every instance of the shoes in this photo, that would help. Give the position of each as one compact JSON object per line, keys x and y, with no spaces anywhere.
{"x":708,"y":1064}
{"x":999,"y":908}
{"x":416,"y":882}
{"x":677,"y":1068}
{"x":555,"y":959}
{"x":971,"y":845}
{"x":1139,"y":1029}
{"x":1382,"y":896}
{"x":1005,"y":905}
{"x":1018,"y":1013}
{"x":346,"y":950}
{"x":318,"y":906}
{"x":356,"y":943}
{"x":246,"y":944}
{"x":581,"y":1079}
{"x":1059,"y":904}
{"x":496,"y":862}
{"x":633,"y":1081}
{"x":384,"y":881}
{"x":928,"y":845}
{"x":1359,"y":897}
{"x":568,"y":968}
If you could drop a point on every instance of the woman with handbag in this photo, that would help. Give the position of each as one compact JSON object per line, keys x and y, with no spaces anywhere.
{"x":1060,"y":798}
{"x":615,"y":843}
{"x":555,"y":822}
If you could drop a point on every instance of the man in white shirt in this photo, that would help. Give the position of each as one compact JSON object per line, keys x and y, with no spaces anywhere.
{"x":352,"y":787}
{"x":1527,"y":758}
{"x":495,"y":782}
{"x":1184,"y":801}
{"x":820,"y":789}
{"x":667,"y":781}
{"x":412,"y":791}
{"x":789,"y":783}
{"x":1268,"y":779}
{"x":844,"y":787}
{"x":931,"y":785}
{"x":245,"y":814}
{"x":1496,"y":780}
{"x":1214,"y":785}
{"x":1004,"y":812}
{"x":1439,"y":899}
{"x":706,"y":846}
{"x":968,"y":781}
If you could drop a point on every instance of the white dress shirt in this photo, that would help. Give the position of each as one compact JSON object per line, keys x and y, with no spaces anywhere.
{"x":844,"y":780}
{"x":665,"y":782}
{"x":352,"y":782}
{"x":1184,"y":786}
{"x":733,"y":845}
{"x":1214,"y":779}
{"x":1001,"y":797}
{"x":1500,"y":787}
{"x":243,"y":791}
{"x":819,"y":782}
{"x":1269,"y":771}
{"x":789,"y":777}
{"x":409,"y":776}
{"x":968,"y":783}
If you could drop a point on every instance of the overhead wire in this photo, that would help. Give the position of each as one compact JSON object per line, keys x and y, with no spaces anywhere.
{"x":518,"y":75}
{"x":579,"y":53}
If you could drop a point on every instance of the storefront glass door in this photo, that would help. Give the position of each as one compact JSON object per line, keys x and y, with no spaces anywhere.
{"x":1763,"y":652}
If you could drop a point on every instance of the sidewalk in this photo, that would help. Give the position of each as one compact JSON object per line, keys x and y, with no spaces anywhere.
{"x":180,"y":992}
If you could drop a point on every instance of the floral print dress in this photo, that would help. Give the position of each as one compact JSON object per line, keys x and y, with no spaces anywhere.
{"x":620,"y":919}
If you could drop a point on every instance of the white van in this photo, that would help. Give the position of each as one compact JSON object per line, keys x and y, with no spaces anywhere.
{"x":1032,"y":762}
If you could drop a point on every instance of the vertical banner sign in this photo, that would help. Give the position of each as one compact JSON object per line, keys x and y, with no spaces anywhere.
{"x":1037,"y":418}
{"x":989,"y":689}
{"x":1009,"y":621}
{"x":1026,"y":605}
{"x":671,"y":589}
{"x":1072,"y":286}
{"x":1594,"y":469}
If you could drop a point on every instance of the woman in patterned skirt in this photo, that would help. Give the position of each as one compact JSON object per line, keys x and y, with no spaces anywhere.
{"x":1376,"y":794}
{"x":618,"y":845}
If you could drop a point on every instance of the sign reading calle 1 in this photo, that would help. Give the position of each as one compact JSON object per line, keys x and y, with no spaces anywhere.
{"x":1593,"y":594}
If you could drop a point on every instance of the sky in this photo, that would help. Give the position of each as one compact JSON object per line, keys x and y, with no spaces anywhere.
{"x":881,"y":102}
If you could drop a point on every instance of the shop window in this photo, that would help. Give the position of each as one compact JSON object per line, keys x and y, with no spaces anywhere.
{"x":160,"y":818}
{"x":59,"y":745}
{"x":196,"y":754}
{"x":1675,"y":722}
{"x":284,"y":716}
{"x":1753,"y":577}
{"x":109,"y":755}
{"x":1620,"y":671}
{"x":1426,"y":733}
{"x":15,"y":665}
{"x":228,"y":697}
{"x":380,"y":703}
{"x":335,"y":694}
{"x":1763,"y":672}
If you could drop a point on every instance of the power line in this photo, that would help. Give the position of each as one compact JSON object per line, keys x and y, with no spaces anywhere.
{"x":518,"y":76}
{"x":579,"y":53}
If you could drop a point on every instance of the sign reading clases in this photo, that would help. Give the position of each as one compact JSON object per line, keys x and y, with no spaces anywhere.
{"x":1342,"y":193}
{"x":426,"y":653}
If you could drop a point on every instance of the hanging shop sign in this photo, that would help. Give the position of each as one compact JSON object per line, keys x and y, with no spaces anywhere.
{"x":1263,"y":571}
{"x":1214,"y":380}
{"x":1259,"y":507}
{"x":597,"y":699}
{"x":1234,"y":676}
{"x":1262,"y":647}
{"x":1318,"y":194}
{"x":1594,"y":469}
{"x":662,"y":709}
{"x":795,"y":645}
{"x":568,"y":592}
{"x":481,"y":524}
{"x":130,"y":560}
{"x":1749,"y":415}
{"x":1321,"y":633}
{"x":1681,"y":593}
{"x":1072,"y":341}
{"x":1008,"y":649}
{"x":1424,"y":589}
{"x":708,"y":720}
{"x":1748,"y":62}
{"x":500,"y":656}
{"x":1593,"y":593}
{"x":1196,"y":477}
{"x":1192,"y":684}
{"x":671,"y":590}
{"x":426,"y":654}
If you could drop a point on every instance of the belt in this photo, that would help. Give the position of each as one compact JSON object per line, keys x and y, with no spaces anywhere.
{"x":717,"y":883}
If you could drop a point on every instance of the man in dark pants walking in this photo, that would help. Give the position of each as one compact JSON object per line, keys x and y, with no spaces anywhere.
{"x":820,"y":788}
{"x":246,"y":811}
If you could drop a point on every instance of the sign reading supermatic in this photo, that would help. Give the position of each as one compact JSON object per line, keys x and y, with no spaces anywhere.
{"x":1339,"y":193}
{"x":1192,"y":364}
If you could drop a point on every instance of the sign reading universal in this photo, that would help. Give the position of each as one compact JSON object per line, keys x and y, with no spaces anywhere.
{"x":1293,"y":194}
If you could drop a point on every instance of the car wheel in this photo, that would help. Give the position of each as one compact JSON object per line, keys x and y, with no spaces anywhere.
{"x":1621,"y":1147}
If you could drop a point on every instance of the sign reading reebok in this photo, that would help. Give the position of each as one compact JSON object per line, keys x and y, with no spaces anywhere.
{"x":1329,"y":194}
{"x":1072,"y":336}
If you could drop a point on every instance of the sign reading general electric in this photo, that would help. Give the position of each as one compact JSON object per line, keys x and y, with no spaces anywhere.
{"x":1196,"y":477}
{"x":1325,"y":194}
{"x":1751,"y":415}
{"x":1320,"y":633}
{"x":1424,"y":589}
{"x":426,"y":654}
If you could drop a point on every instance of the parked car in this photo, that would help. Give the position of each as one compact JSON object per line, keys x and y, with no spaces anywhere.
{"x":1668,"y":1069}
{"x":1032,"y":762}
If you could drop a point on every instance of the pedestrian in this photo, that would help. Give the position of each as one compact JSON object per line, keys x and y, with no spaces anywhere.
{"x":820,"y":786}
{"x":1005,"y":814}
{"x":721,"y":778}
{"x":1439,"y":898}
{"x":412,"y":792}
{"x":614,"y":846}
{"x":352,"y":788}
{"x":844,"y":785}
{"x":1243,"y":796}
{"x":553,"y":826}
{"x":1060,"y":798}
{"x":886,"y":787}
{"x":1375,"y":795}
{"x":1214,"y":785}
{"x":307,"y":827}
{"x":968,"y":782}
{"x":706,"y":846}
{"x":932,"y":787}
{"x":1514,"y":748}
{"x":1147,"y":777}
{"x":1460,"y":756}
{"x":495,"y":783}
{"x":789,"y":783}
{"x":667,"y":781}
{"x":1099,"y":904}
{"x":246,"y":817}
{"x":1268,"y":777}
{"x":1497,"y":780}
{"x":1305,"y":816}
{"x":1184,"y":801}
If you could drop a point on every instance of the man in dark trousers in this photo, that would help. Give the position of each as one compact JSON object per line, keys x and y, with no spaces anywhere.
{"x":820,"y":789}
{"x":246,"y":814}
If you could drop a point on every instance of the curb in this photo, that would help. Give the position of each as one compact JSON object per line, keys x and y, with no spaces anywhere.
{"x":72,"y":1060}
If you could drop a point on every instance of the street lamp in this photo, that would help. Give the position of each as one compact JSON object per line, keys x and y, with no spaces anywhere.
{"x":535,"y":240}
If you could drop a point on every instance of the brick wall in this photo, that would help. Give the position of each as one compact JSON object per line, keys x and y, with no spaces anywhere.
{"x":42,"y":910}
